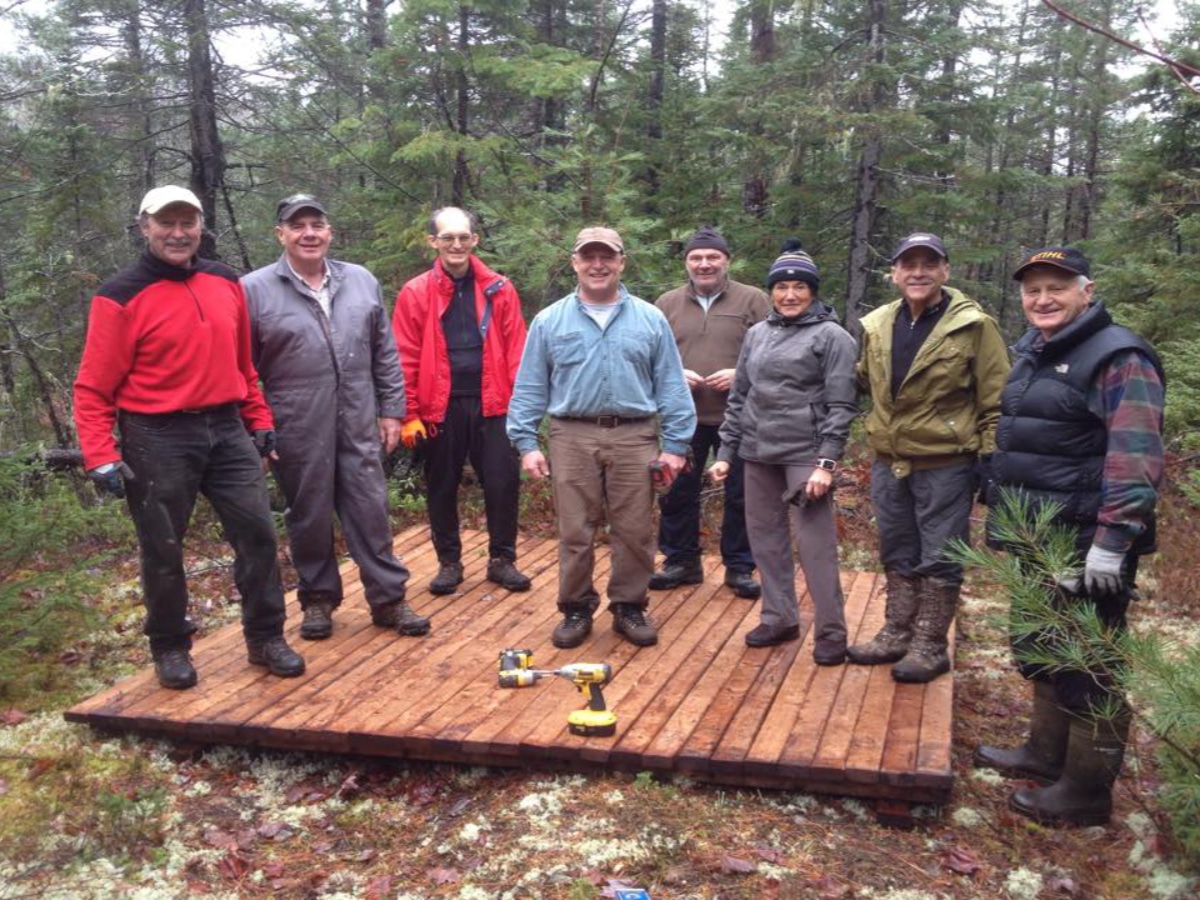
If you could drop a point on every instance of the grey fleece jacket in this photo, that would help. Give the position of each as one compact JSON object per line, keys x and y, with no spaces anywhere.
{"x":794,"y":394}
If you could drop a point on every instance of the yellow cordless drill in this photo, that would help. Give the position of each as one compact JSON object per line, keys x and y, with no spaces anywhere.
{"x":595,"y":719}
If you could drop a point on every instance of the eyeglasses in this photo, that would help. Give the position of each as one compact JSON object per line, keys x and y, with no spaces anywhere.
{"x":451,"y":239}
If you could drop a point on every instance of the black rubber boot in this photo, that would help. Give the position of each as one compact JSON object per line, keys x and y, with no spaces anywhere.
{"x":174,"y":669}
{"x":891,"y":643}
{"x":1041,"y":756}
{"x":1082,"y":796}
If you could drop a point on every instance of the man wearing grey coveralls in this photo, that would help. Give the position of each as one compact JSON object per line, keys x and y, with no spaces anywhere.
{"x":323,"y":346}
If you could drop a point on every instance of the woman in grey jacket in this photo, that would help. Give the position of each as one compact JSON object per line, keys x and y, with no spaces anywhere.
{"x":788,"y":416}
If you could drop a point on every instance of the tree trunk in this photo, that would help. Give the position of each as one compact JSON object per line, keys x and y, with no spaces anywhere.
{"x":866,"y":191}
{"x":462,"y":120}
{"x":654,"y":97}
{"x":208,"y":155}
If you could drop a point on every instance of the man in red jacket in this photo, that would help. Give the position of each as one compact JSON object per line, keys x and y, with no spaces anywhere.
{"x":167,"y":360}
{"x":460,"y":334}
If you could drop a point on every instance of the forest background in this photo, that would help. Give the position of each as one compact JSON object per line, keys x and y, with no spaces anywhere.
{"x":999,"y":125}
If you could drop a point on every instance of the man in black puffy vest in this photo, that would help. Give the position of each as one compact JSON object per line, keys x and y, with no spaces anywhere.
{"x":1081,"y":426}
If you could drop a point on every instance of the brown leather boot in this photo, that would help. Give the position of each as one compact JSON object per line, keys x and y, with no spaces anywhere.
{"x":318,"y":620}
{"x":1083,"y":795}
{"x":891,"y":643}
{"x":927,"y":658}
{"x":399,"y":615}
{"x":1041,"y":756}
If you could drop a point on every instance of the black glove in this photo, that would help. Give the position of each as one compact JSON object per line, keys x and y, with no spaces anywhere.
{"x":264,"y":442}
{"x":983,"y":476}
{"x":111,"y":478}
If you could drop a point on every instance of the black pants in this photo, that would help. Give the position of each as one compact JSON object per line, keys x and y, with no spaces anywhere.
{"x":465,"y":434}
{"x":174,"y":457}
{"x":679,"y":526}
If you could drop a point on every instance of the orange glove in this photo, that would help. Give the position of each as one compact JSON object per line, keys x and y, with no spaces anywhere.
{"x":412,"y":433}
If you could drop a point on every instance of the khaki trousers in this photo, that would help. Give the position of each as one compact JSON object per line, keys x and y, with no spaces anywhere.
{"x":597,"y":471}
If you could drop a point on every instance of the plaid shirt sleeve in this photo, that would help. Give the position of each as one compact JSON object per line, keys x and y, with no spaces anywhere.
{"x":1128,"y":395}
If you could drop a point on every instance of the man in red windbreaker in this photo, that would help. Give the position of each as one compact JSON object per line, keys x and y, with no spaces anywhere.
{"x":460,"y":334}
{"x":167,"y":361}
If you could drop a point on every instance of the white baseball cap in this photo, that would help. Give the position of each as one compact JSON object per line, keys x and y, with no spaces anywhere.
{"x":162,"y":197}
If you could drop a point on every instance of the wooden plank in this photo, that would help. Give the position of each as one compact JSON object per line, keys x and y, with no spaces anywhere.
{"x":933,"y":748}
{"x":899,"y":762}
{"x":821,"y":699}
{"x":763,"y":732}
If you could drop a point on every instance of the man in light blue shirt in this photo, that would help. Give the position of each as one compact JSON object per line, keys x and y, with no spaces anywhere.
{"x":604,"y":365}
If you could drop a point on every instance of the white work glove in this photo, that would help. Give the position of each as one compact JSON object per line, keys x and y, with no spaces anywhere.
{"x":1102,"y":572}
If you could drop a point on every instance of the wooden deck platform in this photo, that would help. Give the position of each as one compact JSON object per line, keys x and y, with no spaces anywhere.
{"x":699,"y":703}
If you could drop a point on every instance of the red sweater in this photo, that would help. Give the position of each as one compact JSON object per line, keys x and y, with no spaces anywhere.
{"x":162,"y":339}
{"x":417,"y":324}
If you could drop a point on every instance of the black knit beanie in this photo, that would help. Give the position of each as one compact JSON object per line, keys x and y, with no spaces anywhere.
{"x":706,"y":238}
{"x":794,"y":264}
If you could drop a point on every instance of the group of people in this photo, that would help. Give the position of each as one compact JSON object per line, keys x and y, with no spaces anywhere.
{"x":765,"y":383}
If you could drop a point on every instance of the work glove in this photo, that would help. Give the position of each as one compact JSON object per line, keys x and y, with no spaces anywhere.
{"x":412,"y":433}
{"x":111,"y":478}
{"x":983,"y":476}
{"x":1102,"y":572}
{"x":264,"y":442}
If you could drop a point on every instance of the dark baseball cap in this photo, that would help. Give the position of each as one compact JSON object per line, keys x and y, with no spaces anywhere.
{"x":920,"y":239}
{"x":1066,"y":258}
{"x":289,"y":206}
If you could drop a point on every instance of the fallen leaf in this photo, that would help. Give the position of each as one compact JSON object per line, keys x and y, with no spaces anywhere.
{"x":272,"y":830}
{"x":273,"y":870}
{"x":295,"y":794}
{"x":379,"y":888}
{"x":350,"y":787}
{"x":13,"y":716}
{"x":70,"y":657}
{"x":233,"y":866}
{"x":1062,"y":884}
{"x":39,"y":768}
{"x":323,"y":847}
{"x":830,"y":889}
{"x":444,"y":876}
{"x":961,"y":860}
{"x":365,"y":856}
{"x":222,"y":840}
{"x":459,"y":807}
{"x":768,"y":854}
{"x":737,"y":866}
{"x":472,"y":863}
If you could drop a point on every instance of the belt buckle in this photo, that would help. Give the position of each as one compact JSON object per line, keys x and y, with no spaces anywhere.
{"x":608,"y":421}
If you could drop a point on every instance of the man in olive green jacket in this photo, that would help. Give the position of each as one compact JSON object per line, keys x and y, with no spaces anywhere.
{"x":934,"y":364}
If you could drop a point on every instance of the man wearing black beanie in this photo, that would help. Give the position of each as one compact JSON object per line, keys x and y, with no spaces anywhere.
{"x":709,"y":316}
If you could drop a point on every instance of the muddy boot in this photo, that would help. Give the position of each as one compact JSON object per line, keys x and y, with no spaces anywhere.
{"x":927,"y":658}
{"x":1041,"y":756}
{"x":318,"y":620}
{"x":1083,"y":795}
{"x":891,"y":643}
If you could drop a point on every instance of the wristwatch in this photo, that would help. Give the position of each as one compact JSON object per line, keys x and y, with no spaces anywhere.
{"x":828,"y":465}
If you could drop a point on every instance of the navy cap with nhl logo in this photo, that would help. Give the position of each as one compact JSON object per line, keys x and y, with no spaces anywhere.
{"x":1066,"y":258}
{"x":920,"y":239}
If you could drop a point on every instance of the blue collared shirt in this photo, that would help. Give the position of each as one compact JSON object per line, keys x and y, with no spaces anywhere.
{"x":572,"y":367}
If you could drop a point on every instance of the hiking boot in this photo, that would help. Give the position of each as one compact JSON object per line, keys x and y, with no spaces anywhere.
{"x":743,"y":585}
{"x":673,"y":575}
{"x":318,"y":621}
{"x":572,"y":630}
{"x":829,"y":652}
{"x":1041,"y":756}
{"x":764,"y":635}
{"x":402,"y":617}
{"x":927,"y":655}
{"x":174,"y":669}
{"x":277,"y":656}
{"x":891,"y":643}
{"x":630,"y":622}
{"x":1083,"y":793}
{"x":449,"y":577}
{"x":505,"y":573}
